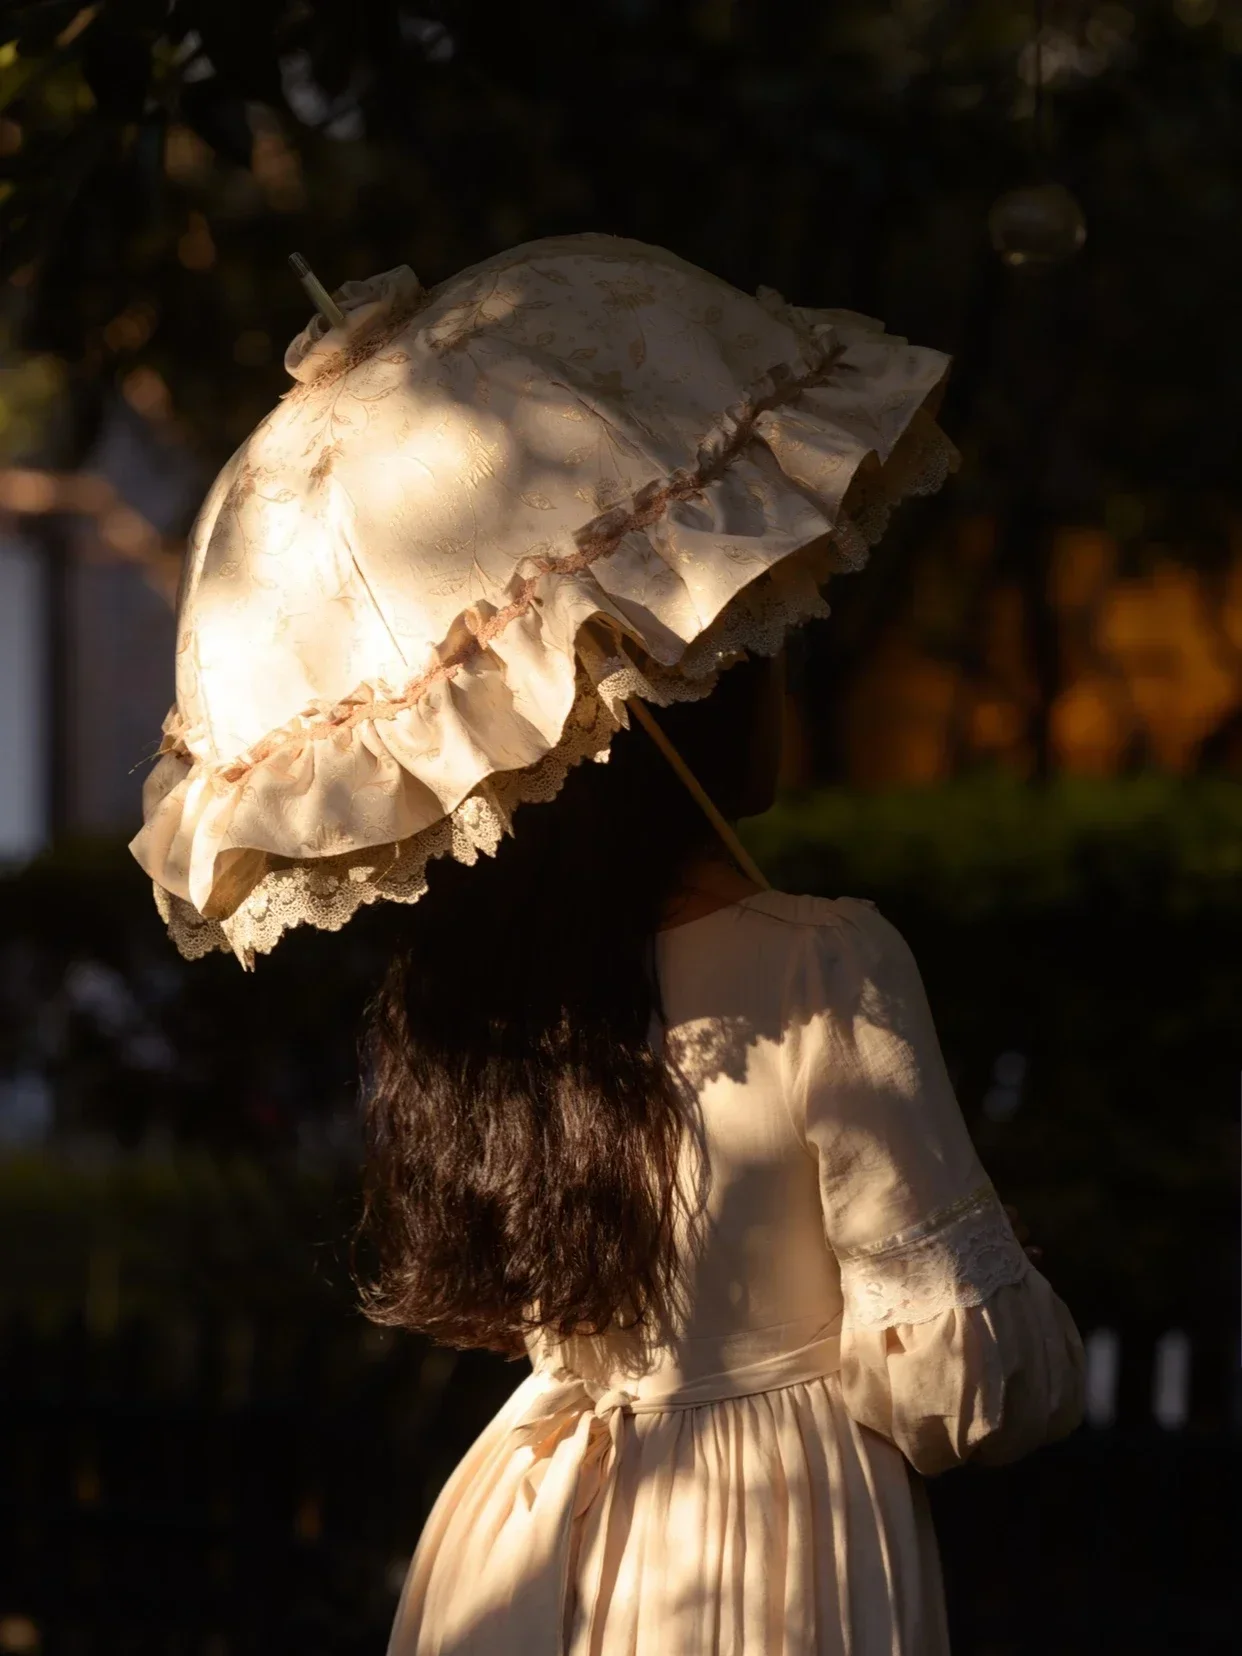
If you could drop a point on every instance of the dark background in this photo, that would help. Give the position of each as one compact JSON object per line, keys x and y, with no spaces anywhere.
{"x":1020,"y":733}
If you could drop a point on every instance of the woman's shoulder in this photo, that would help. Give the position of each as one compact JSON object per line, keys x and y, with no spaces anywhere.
{"x":795,"y":942}
{"x":822,"y":938}
{"x":802,"y":910}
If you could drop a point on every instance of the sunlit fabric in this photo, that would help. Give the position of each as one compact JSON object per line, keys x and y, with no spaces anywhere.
{"x":483,"y":515}
{"x":856,"y":1306}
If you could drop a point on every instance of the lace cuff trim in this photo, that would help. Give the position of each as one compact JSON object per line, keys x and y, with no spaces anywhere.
{"x":956,"y":1257}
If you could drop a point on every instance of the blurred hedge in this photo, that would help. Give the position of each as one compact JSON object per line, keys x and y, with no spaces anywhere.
{"x":1091,"y":929}
{"x":987,"y":845}
{"x":189,"y":1235}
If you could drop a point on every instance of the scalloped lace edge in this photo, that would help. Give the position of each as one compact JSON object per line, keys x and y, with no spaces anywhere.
{"x":327,"y":892}
{"x":955,"y":1259}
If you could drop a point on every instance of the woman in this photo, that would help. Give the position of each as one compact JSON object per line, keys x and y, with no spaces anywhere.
{"x":694,"y":1144}
{"x":687,"y":1141}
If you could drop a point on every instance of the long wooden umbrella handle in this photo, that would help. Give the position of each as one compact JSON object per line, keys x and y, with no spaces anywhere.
{"x":734,"y":846}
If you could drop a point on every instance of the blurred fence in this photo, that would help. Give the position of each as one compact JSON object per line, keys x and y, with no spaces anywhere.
{"x":221,"y":1488}
{"x":216,"y":1488}
{"x":205,"y":1451}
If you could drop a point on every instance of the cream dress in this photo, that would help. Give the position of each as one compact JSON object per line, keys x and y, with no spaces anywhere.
{"x":857,"y":1311}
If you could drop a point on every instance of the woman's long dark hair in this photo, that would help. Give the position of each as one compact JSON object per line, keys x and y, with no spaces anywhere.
{"x":523,"y":1133}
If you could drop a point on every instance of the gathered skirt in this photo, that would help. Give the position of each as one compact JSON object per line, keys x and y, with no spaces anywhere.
{"x":770,"y":1524}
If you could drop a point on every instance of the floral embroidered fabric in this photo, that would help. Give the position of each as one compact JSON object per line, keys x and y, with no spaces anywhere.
{"x":482,"y":517}
{"x":957,"y":1257}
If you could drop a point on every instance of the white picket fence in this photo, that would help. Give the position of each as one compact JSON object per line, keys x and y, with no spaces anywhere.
{"x":1170,"y":1378}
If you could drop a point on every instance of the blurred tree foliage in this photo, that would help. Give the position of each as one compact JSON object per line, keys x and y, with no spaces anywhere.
{"x":160,"y":158}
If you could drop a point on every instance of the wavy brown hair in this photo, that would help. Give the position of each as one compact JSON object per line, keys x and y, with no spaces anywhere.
{"x":523,"y":1131}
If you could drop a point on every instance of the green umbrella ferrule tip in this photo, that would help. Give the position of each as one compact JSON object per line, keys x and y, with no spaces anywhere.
{"x":319,"y":296}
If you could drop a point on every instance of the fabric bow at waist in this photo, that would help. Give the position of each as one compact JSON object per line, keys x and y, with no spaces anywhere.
{"x":573,"y":1431}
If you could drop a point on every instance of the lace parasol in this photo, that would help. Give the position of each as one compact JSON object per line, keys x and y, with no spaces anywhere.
{"x":484,"y":516}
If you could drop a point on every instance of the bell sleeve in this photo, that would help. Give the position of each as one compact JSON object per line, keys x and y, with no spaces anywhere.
{"x":954,"y":1347}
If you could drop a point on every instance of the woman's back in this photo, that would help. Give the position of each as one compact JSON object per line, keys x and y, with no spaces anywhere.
{"x":853,"y":1302}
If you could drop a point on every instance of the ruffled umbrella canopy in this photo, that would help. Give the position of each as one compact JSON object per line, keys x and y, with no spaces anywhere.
{"x":484,"y":517}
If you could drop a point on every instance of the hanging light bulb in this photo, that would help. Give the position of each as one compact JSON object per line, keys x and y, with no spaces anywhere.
{"x":1038,"y":223}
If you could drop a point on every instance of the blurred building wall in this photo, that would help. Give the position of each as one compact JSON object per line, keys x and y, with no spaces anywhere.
{"x":120,"y":638}
{"x":110,"y":611}
{"x":23,"y":701}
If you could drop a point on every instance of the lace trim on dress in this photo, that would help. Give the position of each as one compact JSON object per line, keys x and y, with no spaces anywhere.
{"x":956,"y":1257}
